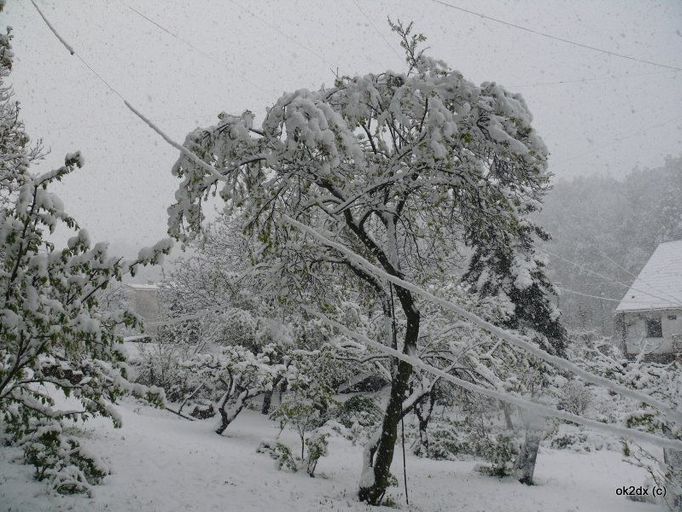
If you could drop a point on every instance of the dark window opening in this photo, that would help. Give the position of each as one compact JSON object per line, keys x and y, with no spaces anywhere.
{"x":672,"y":317}
{"x":653,"y":328}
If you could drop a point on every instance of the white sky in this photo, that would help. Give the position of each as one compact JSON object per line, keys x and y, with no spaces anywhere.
{"x":624,"y":114}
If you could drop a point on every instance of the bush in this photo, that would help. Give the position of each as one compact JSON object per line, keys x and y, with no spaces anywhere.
{"x":317,"y":445}
{"x":445,"y":443}
{"x":501,"y":453}
{"x":575,"y":398}
{"x":60,"y":459}
{"x":160,"y":364}
{"x":284,"y":459}
{"x":360,"y":410}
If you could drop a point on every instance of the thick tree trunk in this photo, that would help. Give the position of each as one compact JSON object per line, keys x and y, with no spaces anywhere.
{"x":372,"y":490}
{"x":229,"y":411}
{"x":525,"y":463}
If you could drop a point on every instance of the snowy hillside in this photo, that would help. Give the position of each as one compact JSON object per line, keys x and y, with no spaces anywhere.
{"x":162,"y":463}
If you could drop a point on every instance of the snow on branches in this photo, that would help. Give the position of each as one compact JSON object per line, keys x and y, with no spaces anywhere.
{"x":400,"y":167}
{"x":55,"y":340}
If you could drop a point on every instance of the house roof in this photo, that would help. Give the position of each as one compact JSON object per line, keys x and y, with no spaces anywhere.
{"x":659,"y":284}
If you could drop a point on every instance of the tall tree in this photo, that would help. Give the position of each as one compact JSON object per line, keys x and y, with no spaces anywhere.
{"x":399,"y":167}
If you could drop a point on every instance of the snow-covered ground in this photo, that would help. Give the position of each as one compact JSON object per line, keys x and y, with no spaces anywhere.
{"x":163,"y":463}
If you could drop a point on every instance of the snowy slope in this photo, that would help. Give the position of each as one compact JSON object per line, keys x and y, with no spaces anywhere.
{"x":162,"y":463}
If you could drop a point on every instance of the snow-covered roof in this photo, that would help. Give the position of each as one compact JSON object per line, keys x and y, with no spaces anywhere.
{"x":659,"y":284}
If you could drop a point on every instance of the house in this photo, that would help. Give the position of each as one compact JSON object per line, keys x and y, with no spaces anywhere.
{"x":649,"y":318}
{"x":143,"y":300}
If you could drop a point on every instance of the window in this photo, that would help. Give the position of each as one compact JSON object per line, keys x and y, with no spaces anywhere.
{"x":653,"y":328}
{"x":672,"y":317}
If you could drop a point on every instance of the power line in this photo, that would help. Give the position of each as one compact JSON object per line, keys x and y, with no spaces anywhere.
{"x":575,"y":292}
{"x":621,"y":138}
{"x":558,"y":38}
{"x":583,"y":269}
{"x":49,"y":25}
{"x":201,"y":163}
{"x":190,"y":45}
{"x":636,"y":278}
{"x":281,"y":32}
{"x":666,"y":74}
{"x":70,"y":49}
{"x":369,"y":20}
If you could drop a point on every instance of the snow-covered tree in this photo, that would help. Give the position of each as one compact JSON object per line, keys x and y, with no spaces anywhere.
{"x":505,"y":267}
{"x":15,"y":144}
{"x":662,"y":381}
{"x":55,"y":340}
{"x":398,"y":167}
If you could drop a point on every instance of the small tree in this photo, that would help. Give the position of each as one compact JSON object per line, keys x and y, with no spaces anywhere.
{"x":308,"y":405}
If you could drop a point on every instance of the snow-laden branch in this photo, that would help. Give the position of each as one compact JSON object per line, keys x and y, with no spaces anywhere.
{"x":194,"y":158}
{"x":533,"y":407}
{"x":54,"y":31}
{"x":487,"y":326}
{"x":209,"y":168}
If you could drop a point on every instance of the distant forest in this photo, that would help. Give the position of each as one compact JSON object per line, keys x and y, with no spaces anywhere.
{"x":608,"y":226}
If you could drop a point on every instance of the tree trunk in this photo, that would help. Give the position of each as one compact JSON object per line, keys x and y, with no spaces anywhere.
{"x":423,"y":409}
{"x":267,"y":401}
{"x":229,"y":411}
{"x":525,"y":463}
{"x":507,"y":416}
{"x":372,"y":490}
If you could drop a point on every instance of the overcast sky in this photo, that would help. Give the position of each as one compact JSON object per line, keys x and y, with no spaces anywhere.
{"x":610,"y":115}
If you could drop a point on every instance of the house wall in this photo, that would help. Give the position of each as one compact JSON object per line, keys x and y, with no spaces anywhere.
{"x":633,"y":331}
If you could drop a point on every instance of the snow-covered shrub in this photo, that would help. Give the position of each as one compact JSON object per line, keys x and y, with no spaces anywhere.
{"x":281,"y":453}
{"x":234,"y":376}
{"x":575,"y":398}
{"x":501,"y":453}
{"x":306,"y":417}
{"x":59,"y":458}
{"x":309,"y":404}
{"x":446,"y":442}
{"x":234,"y":326}
{"x":358,"y":410}
{"x":574,"y":440}
{"x":160,"y":364}
{"x":317,"y":444}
